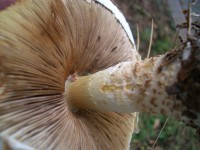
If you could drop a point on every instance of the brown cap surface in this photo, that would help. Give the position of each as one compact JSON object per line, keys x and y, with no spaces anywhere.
{"x":42,"y":42}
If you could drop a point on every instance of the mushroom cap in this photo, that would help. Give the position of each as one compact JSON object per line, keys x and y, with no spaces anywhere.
{"x":41,"y":44}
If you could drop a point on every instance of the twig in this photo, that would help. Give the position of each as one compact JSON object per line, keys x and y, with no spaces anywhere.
{"x":153,"y":147}
{"x":189,"y":18}
{"x":151,"y":38}
{"x":177,"y":33}
{"x":138,"y":38}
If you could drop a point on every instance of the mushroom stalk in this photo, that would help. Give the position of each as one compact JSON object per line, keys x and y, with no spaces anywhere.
{"x":128,"y":87}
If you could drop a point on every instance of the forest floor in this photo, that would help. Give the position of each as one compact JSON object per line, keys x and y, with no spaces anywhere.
{"x":141,"y":13}
{"x":175,"y":136}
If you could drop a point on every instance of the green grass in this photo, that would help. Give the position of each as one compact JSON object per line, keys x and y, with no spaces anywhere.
{"x":162,"y":43}
{"x":161,"y":46}
{"x":175,"y":135}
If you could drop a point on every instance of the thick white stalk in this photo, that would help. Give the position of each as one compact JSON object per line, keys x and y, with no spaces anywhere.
{"x":128,"y":87}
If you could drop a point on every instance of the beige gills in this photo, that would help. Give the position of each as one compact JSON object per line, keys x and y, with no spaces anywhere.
{"x":43,"y":42}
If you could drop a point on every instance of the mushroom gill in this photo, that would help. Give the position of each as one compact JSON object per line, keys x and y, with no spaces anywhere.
{"x":41,"y":44}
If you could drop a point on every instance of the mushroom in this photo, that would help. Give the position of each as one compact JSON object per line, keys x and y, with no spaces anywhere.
{"x":42,"y":43}
{"x":71,"y":77}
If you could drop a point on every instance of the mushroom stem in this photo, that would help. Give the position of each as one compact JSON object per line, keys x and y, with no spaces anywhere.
{"x":167,"y":84}
{"x":128,"y":87}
